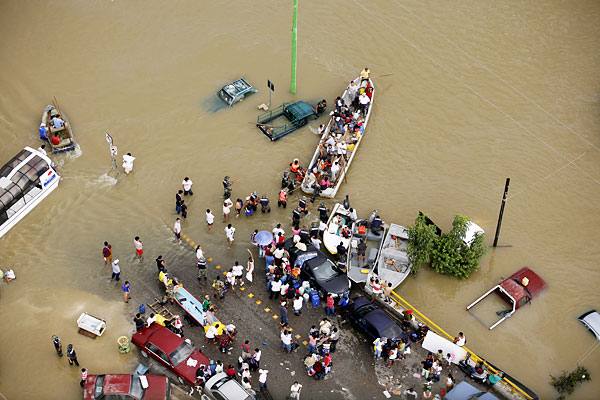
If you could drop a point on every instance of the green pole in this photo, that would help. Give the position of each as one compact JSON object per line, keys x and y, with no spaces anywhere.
{"x":294,"y":40}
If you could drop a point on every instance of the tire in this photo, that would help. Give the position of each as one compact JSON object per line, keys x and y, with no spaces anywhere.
{"x":144,"y":354}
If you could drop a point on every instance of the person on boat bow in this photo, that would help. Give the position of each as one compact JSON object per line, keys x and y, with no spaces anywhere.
{"x":364,"y":75}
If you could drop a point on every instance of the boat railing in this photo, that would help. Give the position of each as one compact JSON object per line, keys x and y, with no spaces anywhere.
{"x":435,"y":327}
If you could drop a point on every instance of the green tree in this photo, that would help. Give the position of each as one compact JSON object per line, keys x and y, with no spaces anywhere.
{"x":447,"y":254}
{"x":421,"y":239}
{"x":565,"y":383}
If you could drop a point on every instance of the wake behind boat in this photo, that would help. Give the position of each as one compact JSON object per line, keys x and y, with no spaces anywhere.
{"x":392,"y":264}
{"x":341,"y":137}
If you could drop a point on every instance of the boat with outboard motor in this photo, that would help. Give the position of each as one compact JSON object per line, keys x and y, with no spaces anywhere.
{"x":338,"y":228}
{"x":340,"y":140}
{"x":55,"y":129}
{"x":25,"y":181}
{"x":365,"y":245}
{"x":392,"y":264}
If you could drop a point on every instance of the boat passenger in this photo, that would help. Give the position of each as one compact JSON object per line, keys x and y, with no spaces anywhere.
{"x":325,"y":183}
{"x":43,"y":131}
{"x":57,"y":122}
{"x":55,"y":140}
{"x":364,"y":74}
{"x":295,"y":165}
{"x":364,"y":102}
{"x":376,"y":225}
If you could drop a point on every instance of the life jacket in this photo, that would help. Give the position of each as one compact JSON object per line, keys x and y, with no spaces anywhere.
{"x":362,"y":229}
{"x":294,"y":167}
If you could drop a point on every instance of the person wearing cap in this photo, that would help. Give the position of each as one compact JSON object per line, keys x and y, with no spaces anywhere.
{"x":43,"y":131}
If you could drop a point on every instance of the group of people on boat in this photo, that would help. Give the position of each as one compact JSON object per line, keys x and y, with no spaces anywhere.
{"x":341,"y":134}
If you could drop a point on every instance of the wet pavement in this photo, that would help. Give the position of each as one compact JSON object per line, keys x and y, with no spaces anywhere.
{"x":355,"y":374}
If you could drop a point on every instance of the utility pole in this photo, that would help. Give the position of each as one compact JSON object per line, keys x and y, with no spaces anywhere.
{"x":294,"y":40}
{"x":501,"y":212}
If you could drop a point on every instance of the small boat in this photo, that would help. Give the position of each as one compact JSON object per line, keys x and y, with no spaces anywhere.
{"x":339,"y":228}
{"x":190,"y":304}
{"x":392,"y":264}
{"x":515,"y":291}
{"x":236,"y":91}
{"x":361,"y":230}
{"x":90,"y":325}
{"x":350,"y":139}
{"x":296,"y":114}
{"x":64,"y":134}
{"x":25,"y":181}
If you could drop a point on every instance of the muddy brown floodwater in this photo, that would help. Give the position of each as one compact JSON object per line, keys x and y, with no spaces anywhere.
{"x":469,"y":93}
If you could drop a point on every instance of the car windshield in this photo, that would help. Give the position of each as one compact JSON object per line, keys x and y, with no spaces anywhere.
{"x":324,"y":271}
{"x":98,"y":388}
{"x":181,"y":353}
{"x":136,"y":390}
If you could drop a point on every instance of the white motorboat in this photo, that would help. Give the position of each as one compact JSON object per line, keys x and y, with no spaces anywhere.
{"x":25,"y":181}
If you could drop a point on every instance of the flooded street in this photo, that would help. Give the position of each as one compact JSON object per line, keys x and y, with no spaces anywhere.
{"x":468,"y":93}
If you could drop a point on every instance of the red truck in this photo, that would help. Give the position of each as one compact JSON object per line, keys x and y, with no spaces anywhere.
{"x":123,"y":387}
{"x":171,"y":351}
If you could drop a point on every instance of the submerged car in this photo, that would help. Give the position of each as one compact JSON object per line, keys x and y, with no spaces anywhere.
{"x":125,"y":387}
{"x":171,"y":351}
{"x":223,"y":387}
{"x":591,"y":320}
{"x":319,"y":270}
{"x":236,"y":91}
{"x":466,"y":391}
{"x":368,"y":318}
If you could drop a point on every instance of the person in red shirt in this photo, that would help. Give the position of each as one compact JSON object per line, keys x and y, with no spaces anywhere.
{"x":330,"y":307}
{"x":55,"y":140}
{"x":230,"y":371}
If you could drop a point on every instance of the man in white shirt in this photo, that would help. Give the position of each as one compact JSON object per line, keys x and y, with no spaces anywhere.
{"x":316,"y":242}
{"x":262,"y":379}
{"x":297,"y":305}
{"x":275,"y":289}
{"x":295,"y":391}
{"x":42,"y":149}
{"x":286,"y":340}
{"x":177,"y":230}
{"x":238,"y":272}
{"x":210,"y":218}
{"x":211,"y":332}
{"x":277,"y":230}
{"x":187,"y":186}
{"x":335,"y":168}
{"x":227,"y":204}
{"x":229,"y":234}
{"x":364,"y":101}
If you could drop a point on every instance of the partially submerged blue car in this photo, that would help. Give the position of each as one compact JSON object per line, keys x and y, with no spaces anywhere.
{"x":236,"y":91}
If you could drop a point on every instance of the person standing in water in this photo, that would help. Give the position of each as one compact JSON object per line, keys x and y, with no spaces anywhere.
{"x":57,"y":345}
{"x":210,"y":219}
{"x":177,"y":230}
{"x":139,"y":248}
{"x":128,"y":160}
{"x":126,"y":288}
{"x":187,"y":186}
{"x":72,"y":356}
{"x":107,"y":253}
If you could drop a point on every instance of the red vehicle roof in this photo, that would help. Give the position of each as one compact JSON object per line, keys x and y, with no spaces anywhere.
{"x":168,"y":342}
{"x":513,"y":285}
{"x":120,"y":384}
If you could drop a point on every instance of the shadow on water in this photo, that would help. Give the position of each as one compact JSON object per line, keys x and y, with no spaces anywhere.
{"x":213,"y":103}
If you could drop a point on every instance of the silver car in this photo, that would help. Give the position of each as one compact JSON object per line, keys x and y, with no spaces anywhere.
{"x":222,"y":387}
{"x":591,"y":320}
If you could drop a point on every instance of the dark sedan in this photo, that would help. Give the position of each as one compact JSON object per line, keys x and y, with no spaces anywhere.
{"x":318,"y":269}
{"x":373,"y":321}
